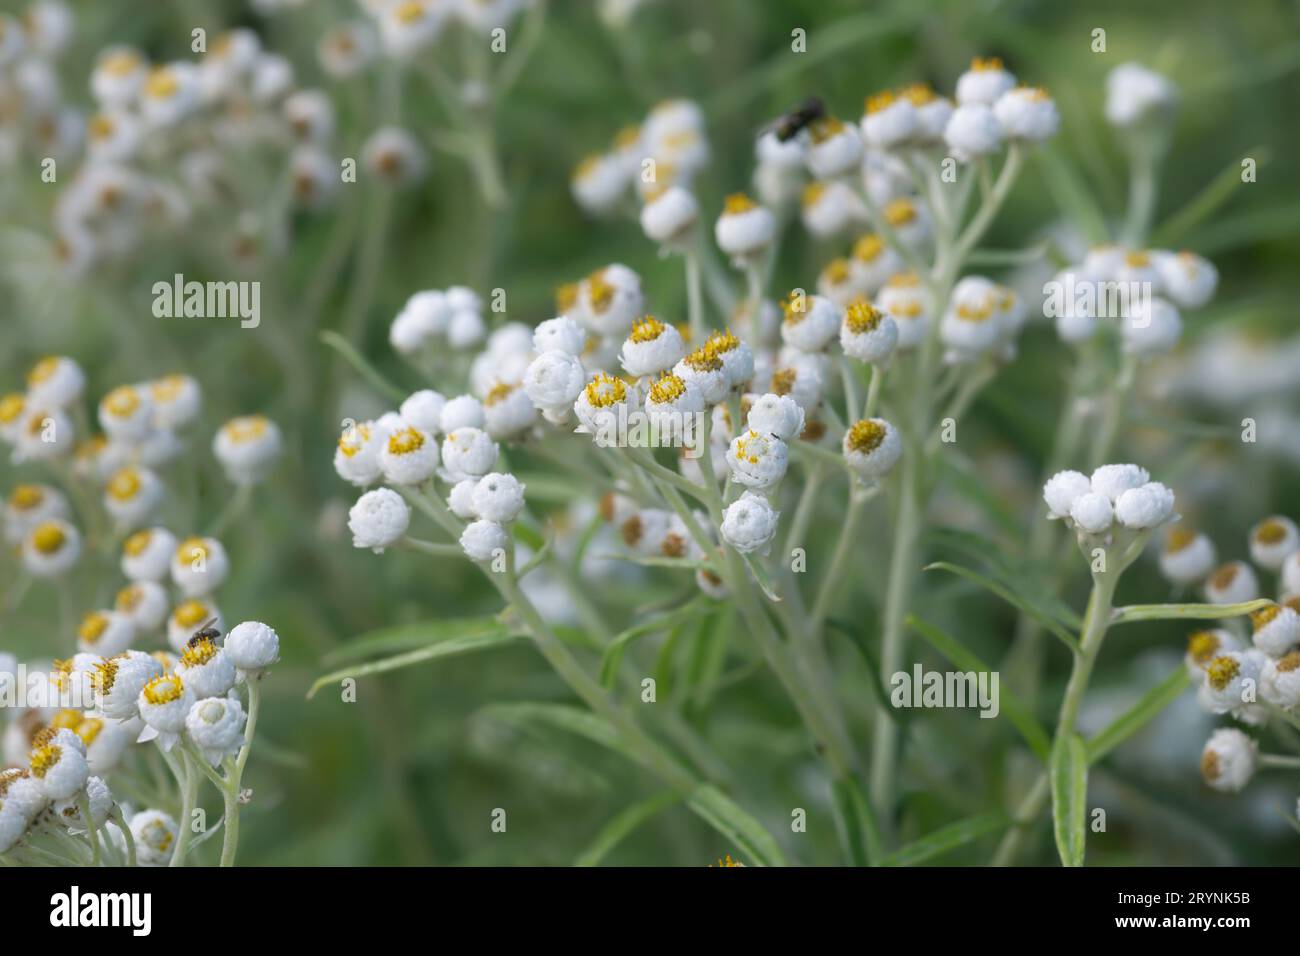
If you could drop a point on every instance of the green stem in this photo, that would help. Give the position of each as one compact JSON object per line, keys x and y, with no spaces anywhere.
{"x":235,"y":775}
{"x":189,"y":794}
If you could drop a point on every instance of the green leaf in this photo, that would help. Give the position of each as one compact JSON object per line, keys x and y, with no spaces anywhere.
{"x":859,"y":641}
{"x":1019,"y":715}
{"x":1136,"y":717}
{"x":754,"y":845}
{"x":947,"y":838}
{"x":760,"y":574}
{"x":1072,"y":194}
{"x":1069,"y":779}
{"x":448,"y":647}
{"x":618,"y":829}
{"x":363,"y":368}
{"x":1185,"y":612}
{"x":404,"y":637}
{"x":1206,"y":203}
{"x":613,"y":655}
{"x":858,"y":832}
{"x":1018,"y":600}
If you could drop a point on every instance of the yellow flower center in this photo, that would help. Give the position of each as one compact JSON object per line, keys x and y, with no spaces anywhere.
{"x":986,"y":64}
{"x":88,"y":730}
{"x":498,"y":393}
{"x":813,"y":192}
{"x":162,"y":83}
{"x":861,"y":316}
{"x":93,"y":626}
{"x":124,"y":485}
{"x":1289,"y":662}
{"x":1264,"y":616}
{"x":704,"y":359}
{"x":919,"y":93}
{"x":666,"y":389}
{"x":122,"y":402}
{"x":354,"y":439}
{"x":836,"y":272}
{"x":11,"y":406}
{"x":26,"y":497}
{"x":865,"y":436}
{"x":566,"y":297}
{"x":66,"y":720}
{"x":246,"y":429}
{"x":163,"y":689}
{"x":43,"y":370}
{"x":605,"y":390}
{"x":137,"y":543}
{"x":409,"y":12}
{"x":1270,"y":531}
{"x":738,"y":203}
{"x":868,"y":248}
{"x":191,"y":614}
{"x":405,"y":442}
{"x":168,"y":388}
{"x":103,"y":676}
{"x":646,"y":329}
{"x":1137,"y":260}
{"x":900,"y":212}
{"x":1224,"y":577}
{"x":600,"y":292}
{"x":48,"y":538}
{"x":904,"y":280}
{"x":783,"y":381}
{"x":1210,"y":765}
{"x":1221,"y":672}
{"x":44,"y":759}
{"x":720,"y":343}
{"x":973,"y":313}
{"x":880,"y":101}
{"x":1202,"y":646}
{"x":199,"y":652}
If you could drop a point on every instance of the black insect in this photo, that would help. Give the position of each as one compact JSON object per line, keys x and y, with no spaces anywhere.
{"x":790,"y":125}
{"x":206,"y":632}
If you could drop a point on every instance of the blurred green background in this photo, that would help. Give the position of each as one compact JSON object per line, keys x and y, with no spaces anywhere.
{"x":411,"y":772}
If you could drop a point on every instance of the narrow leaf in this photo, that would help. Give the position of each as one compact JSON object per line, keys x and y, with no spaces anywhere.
{"x":1185,"y":612}
{"x":618,"y":829}
{"x":405,"y":637}
{"x":856,"y":822}
{"x":1012,"y":598}
{"x":1069,"y":778}
{"x":753,"y":843}
{"x":947,"y":838}
{"x":363,"y":368}
{"x":447,"y":648}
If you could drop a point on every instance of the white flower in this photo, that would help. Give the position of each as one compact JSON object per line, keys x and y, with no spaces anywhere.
{"x":170,"y":93}
{"x":147,"y":554}
{"x":834,"y":150}
{"x":216,"y":725}
{"x":463,"y":411}
{"x":206,"y":668}
{"x":973,"y":131}
{"x":745,"y":228}
{"x":126,"y":414}
{"x":810,"y":321}
{"x":132,"y":495}
{"x":1187,"y":557}
{"x":468,"y":452}
{"x":100,"y":800}
{"x":51,"y":548}
{"x":598,"y":406}
{"x":163,"y":703}
{"x":59,"y":766}
{"x":1135,"y":94}
{"x":199,"y":566}
{"x":423,"y":319}
{"x":119,"y":73}
{"x":310,"y":114}
{"x":461,"y":499}
{"x":105,"y":633}
{"x":890,"y":120}
{"x":1276,"y":629}
{"x":868,"y":334}
{"x":560,"y":334}
{"x":1062,"y":490}
{"x":873,"y":263}
{"x":777,"y":415}
{"x":1232,"y":583}
{"x":703,"y":371}
{"x":1272,"y":541}
{"x":272,"y":78}
{"x":1229,"y":760}
{"x":378,"y":519}
{"x":909,"y":220}
{"x":712,"y":585}
{"x":643,"y":530}
{"x":1279,"y":681}
{"x":970,"y":327}
{"x":1230,"y":679}
{"x":423,"y":409}
{"x":247,"y":447}
{"x":252,"y":646}
{"x":356,"y":458}
{"x":507,"y":411}
{"x":670,"y":216}
{"x":1204,"y":646}
{"x":346,"y":49}
{"x":985,"y":81}
{"x":599,"y":183}
{"x":554,"y":379}
{"x":482,"y":540}
{"x":145,"y":603}
{"x":610,"y":300}
{"x":1113,"y":480}
{"x":908,"y":305}
{"x":394,"y":156}
{"x":932,"y":113}
{"x":28,"y":506}
{"x":1290,"y":574}
{"x":21,"y":794}
{"x":154,"y":834}
{"x":498,"y":497}
{"x":672,"y":404}
{"x":757,"y":459}
{"x":749,"y":523}
{"x":176,"y":400}
{"x":117,"y":682}
{"x":188,"y":617}
{"x":55,"y":382}
{"x":872,"y":448}
{"x":827,"y":208}
{"x":1188,"y":279}
{"x":1092,"y":512}
{"x":408,"y":456}
{"x":408,"y":26}
{"x":1027,"y":113}
{"x":1150,"y":505}
{"x":737,"y":358}
{"x":1151,"y":328}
